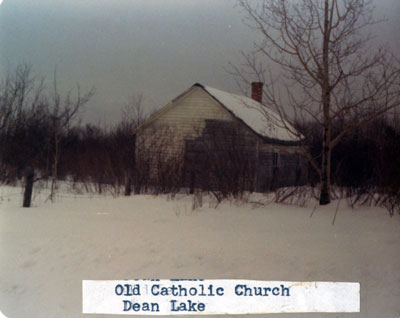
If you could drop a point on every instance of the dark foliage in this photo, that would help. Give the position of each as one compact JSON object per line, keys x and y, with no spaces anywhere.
{"x":365,"y":162}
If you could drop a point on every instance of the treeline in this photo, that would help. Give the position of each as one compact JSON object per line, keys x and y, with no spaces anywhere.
{"x":365,"y":159}
{"x":368,"y":156}
{"x":365,"y":163}
{"x":42,"y":132}
{"x":86,"y":153}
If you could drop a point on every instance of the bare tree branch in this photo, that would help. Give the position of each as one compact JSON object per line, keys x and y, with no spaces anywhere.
{"x":328,"y":70}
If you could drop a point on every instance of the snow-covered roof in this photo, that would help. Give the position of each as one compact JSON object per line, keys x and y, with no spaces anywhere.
{"x":259,"y":118}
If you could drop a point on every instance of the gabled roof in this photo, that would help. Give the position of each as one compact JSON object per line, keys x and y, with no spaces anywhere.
{"x":257,"y":117}
{"x":263,"y":121}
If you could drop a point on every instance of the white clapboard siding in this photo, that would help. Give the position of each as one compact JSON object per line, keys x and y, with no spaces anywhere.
{"x":184,"y":118}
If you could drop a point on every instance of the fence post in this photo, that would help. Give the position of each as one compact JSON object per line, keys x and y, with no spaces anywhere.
{"x":28,"y":187}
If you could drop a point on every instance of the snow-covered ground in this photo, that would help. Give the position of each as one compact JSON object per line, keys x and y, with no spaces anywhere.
{"x":47,"y":250}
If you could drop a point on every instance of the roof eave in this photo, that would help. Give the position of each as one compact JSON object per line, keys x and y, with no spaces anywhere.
{"x":265,"y":139}
{"x":283,"y":142}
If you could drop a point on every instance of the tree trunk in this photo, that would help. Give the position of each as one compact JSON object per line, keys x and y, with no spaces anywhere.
{"x":326,"y":101}
{"x":325,"y":197}
{"x":55,"y":168}
{"x":128,"y":186}
{"x":30,"y":174}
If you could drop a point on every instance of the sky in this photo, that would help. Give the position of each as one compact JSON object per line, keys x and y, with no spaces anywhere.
{"x":158,"y":48}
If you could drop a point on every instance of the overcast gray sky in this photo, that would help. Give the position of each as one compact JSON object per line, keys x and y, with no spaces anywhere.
{"x":122,"y":47}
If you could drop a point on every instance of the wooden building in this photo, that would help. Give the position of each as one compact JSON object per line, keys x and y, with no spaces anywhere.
{"x":206,"y":137}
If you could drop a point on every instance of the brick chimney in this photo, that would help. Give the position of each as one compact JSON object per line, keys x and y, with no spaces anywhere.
{"x":257,"y":91}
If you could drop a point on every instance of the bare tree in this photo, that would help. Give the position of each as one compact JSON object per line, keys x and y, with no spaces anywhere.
{"x":133,"y":111}
{"x":19,"y":92}
{"x":21,"y":112}
{"x":159,"y":159}
{"x":329,"y":70}
{"x":63,"y":111}
{"x":133,"y":115}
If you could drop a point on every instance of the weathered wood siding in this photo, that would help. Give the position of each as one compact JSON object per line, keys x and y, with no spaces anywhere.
{"x":280,"y":167}
{"x":164,"y":136}
{"x":226,"y":154}
{"x":186,"y":116}
{"x":168,"y":133}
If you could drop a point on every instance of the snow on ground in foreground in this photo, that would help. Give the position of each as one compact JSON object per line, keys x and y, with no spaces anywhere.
{"x":46,"y":251}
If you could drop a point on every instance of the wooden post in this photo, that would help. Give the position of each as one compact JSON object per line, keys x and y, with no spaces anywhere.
{"x":28,"y":187}
{"x":128,"y":186}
